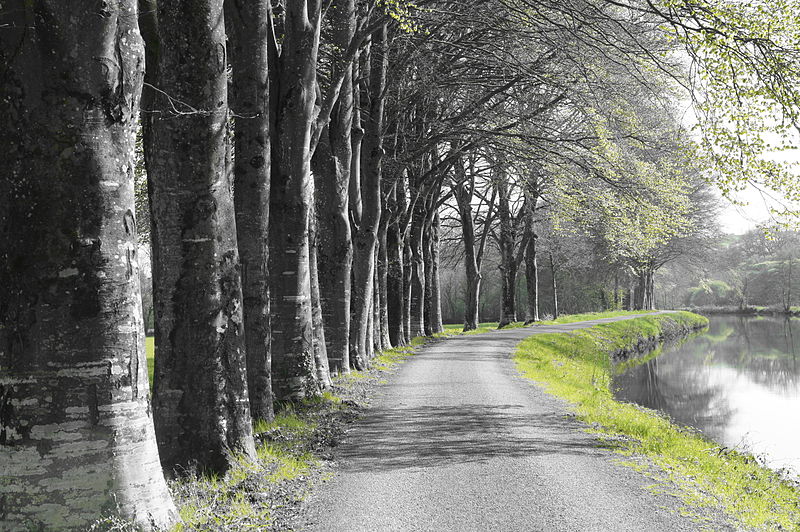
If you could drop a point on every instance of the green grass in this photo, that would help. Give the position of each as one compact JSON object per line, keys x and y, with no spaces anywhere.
{"x":576,"y":367}
{"x":452,"y":329}
{"x":458,"y":328}
{"x":588,"y":316}
{"x":150,"y":350}
{"x":211,"y":502}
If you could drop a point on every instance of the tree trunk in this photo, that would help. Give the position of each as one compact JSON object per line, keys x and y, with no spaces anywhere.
{"x":463,"y":196}
{"x":365,"y":236}
{"x":394,"y":275}
{"x":427,"y":257}
{"x":383,"y":280}
{"x":436,"y":293}
{"x":417,"y":295}
{"x":640,"y":291}
{"x":319,"y":346}
{"x":333,"y":159}
{"x":249,"y":32}
{"x":334,"y":248}
{"x":531,"y":267}
{"x":554,"y":284}
{"x":294,"y":372}
{"x":377,"y":338}
{"x":76,"y":435}
{"x":508,"y":265}
{"x":200,"y":401}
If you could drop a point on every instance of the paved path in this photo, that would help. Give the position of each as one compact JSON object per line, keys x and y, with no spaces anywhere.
{"x":457,"y":441}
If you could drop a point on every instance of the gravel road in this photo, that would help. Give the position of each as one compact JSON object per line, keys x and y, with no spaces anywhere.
{"x":457,"y":441}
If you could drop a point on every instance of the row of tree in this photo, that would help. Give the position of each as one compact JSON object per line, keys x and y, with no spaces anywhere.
{"x":299,"y":159}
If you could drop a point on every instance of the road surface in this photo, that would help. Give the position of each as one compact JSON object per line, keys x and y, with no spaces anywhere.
{"x":457,"y":441}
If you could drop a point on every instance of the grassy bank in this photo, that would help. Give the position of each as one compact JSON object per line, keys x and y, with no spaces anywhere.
{"x":577,"y":367}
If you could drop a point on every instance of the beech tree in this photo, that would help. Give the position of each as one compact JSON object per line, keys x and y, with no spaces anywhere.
{"x":294,"y":74}
{"x":250,"y":30}
{"x":76,"y":432}
{"x":200,"y":398}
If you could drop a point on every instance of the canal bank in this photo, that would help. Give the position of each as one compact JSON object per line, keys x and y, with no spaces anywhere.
{"x":577,"y":367}
{"x":738,"y":383}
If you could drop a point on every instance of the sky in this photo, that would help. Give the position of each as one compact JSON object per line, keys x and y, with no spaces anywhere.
{"x":738,"y":219}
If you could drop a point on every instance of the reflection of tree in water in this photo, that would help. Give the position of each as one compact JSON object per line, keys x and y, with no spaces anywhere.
{"x":765,"y":351}
{"x":681,"y":390}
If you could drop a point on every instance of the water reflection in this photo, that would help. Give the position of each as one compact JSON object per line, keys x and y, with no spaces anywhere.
{"x":737,"y":383}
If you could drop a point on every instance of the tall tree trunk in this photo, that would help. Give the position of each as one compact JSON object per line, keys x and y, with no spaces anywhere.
{"x":377,"y":339}
{"x":427,"y":257}
{"x":408,"y":287}
{"x":531,"y":267}
{"x":417,"y":296}
{"x":394,"y":274}
{"x":383,"y":279}
{"x":294,"y":372}
{"x":463,"y":195}
{"x":435,"y":291}
{"x":200,"y":398}
{"x":76,"y":435}
{"x":333,"y":159}
{"x":508,"y":266}
{"x":554,"y":284}
{"x":249,"y":31}
{"x":640,"y":291}
{"x":365,"y":236}
{"x":320,"y":347}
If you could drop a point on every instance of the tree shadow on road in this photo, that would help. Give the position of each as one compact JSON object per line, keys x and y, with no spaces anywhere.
{"x":400,"y":438}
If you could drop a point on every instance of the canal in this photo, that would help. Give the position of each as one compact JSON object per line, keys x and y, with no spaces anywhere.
{"x":738,"y":383}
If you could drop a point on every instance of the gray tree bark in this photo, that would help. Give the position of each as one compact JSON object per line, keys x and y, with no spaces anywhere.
{"x":531,"y":266}
{"x":417,"y":295}
{"x":249,"y":31}
{"x":430,"y":248}
{"x":408,"y":288}
{"x":366,"y":230}
{"x":463,"y":196}
{"x":508,"y":266}
{"x":554,"y":284}
{"x":76,"y":433}
{"x":200,"y":401}
{"x":394,"y":275}
{"x":320,"y":345}
{"x":332,"y":162}
{"x":294,"y":372}
{"x":382,"y":272}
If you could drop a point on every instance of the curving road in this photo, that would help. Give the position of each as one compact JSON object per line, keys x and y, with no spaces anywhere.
{"x":457,"y":441}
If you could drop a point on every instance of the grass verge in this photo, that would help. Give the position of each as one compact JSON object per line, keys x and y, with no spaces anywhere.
{"x":266,"y":494}
{"x":577,"y":367}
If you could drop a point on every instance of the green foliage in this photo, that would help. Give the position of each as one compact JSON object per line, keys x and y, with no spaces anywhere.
{"x":634,"y":199}
{"x":577,"y":367}
{"x":402,"y":12}
{"x":747,"y":75}
{"x":711,"y":293}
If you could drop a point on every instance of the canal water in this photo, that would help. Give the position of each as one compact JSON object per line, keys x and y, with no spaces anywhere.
{"x":738,"y":383}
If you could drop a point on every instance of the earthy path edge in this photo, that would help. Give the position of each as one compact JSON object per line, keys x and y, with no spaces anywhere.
{"x":312,"y":512}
